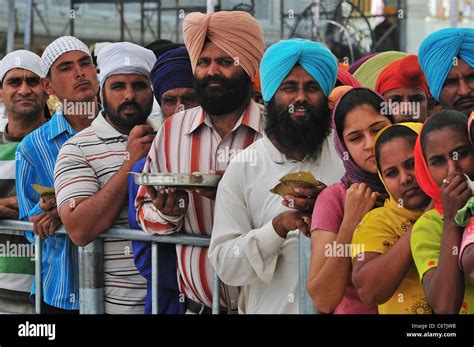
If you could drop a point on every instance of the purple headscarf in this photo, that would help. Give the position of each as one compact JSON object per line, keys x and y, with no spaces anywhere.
{"x":355,"y":174}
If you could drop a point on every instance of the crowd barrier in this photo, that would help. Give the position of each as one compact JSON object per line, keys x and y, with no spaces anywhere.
{"x":91,"y":277}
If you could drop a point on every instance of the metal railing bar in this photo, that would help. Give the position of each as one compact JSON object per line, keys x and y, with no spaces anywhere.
{"x":154,"y":278}
{"x":127,"y":234}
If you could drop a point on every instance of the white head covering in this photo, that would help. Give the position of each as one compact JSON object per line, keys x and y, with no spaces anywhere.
{"x":21,"y":59}
{"x":124,"y":58}
{"x":58,"y":47}
{"x":97,"y":47}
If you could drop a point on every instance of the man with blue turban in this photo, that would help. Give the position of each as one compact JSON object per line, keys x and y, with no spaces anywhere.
{"x":281,"y":58}
{"x":255,"y":238}
{"x":172,"y":78}
{"x":447,"y":59}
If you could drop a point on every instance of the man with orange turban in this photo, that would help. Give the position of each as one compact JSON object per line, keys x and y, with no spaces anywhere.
{"x":225,"y":49}
{"x":236,"y":33}
{"x":404,"y":86}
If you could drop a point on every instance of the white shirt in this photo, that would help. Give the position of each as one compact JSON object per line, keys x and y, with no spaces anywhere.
{"x":245,"y":249}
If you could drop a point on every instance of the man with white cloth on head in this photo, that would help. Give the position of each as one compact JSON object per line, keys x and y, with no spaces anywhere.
{"x":25,"y":98}
{"x":68,"y":74}
{"x":91,"y":173}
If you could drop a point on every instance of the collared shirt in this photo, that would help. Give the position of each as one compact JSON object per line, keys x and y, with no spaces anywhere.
{"x":188,"y":143}
{"x":35,"y":159}
{"x":245,"y":249}
{"x":85,"y":164}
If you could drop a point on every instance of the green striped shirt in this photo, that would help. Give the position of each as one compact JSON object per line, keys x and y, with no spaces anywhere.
{"x":16,"y":253}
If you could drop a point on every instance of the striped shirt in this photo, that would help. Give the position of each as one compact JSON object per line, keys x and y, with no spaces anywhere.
{"x":188,"y":143}
{"x":35,"y":159}
{"x":85,"y":164}
{"x":17,"y":266}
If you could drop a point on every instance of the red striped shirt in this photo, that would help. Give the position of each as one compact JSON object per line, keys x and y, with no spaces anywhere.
{"x":188,"y":143}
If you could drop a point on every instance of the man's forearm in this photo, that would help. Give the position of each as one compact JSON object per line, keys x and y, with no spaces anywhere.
{"x":8,"y":213}
{"x":448,"y":280}
{"x":94,"y":215}
{"x":11,"y":202}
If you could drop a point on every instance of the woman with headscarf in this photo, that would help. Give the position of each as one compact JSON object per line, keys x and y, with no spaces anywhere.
{"x":443,"y":154}
{"x":382,"y":264}
{"x":339,"y":208}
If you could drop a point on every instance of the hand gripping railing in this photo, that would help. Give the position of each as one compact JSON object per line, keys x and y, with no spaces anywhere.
{"x":91,"y":281}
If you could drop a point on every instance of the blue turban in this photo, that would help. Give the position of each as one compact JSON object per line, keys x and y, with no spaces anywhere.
{"x":280,"y":58}
{"x":172,"y":70}
{"x":437,"y":52}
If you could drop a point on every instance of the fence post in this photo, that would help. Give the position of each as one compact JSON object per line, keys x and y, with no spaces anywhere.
{"x":91,"y":278}
{"x":154,"y":278}
{"x":38,"y":275}
{"x":306,"y":303}
{"x":216,"y":294}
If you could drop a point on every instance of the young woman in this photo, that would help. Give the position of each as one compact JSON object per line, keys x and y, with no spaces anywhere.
{"x":443,"y":154}
{"x":382,"y":267}
{"x":340,"y":207}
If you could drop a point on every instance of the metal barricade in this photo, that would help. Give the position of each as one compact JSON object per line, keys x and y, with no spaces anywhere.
{"x":91,"y":281}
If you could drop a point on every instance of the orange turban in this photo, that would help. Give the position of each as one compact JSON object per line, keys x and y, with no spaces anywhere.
{"x":235,"y":32}
{"x":336,"y":95}
{"x":402,"y":73}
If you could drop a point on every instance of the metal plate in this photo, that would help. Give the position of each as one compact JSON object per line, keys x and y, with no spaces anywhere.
{"x":194,"y":180}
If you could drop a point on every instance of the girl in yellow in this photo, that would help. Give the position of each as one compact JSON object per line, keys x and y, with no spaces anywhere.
{"x":383,"y":270}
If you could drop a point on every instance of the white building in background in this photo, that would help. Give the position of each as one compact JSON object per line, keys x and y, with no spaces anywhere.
{"x":101,"y":21}
{"x":423,"y":20}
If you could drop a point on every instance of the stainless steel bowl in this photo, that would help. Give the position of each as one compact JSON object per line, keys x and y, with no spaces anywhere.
{"x":194,"y":180}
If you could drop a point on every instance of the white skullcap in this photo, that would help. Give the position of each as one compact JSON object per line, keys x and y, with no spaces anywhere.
{"x":21,"y":59}
{"x":58,"y":47}
{"x":97,"y":47}
{"x":124,"y":58}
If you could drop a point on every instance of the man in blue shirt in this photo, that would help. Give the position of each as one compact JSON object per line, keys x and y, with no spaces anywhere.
{"x":71,"y":77}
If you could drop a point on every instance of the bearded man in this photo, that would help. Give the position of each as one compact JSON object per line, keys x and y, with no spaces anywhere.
{"x":92,"y":169}
{"x":254,"y":242}
{"x":225,"y":49}
{"x":447,"y":59}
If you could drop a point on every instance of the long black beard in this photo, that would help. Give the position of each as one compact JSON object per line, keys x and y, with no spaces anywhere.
{"x":127,"y":123}
{"x":234,"y":93}
{"x":305,"y":136}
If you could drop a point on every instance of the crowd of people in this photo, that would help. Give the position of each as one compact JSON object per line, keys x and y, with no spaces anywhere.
{"x":388,"y":139}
